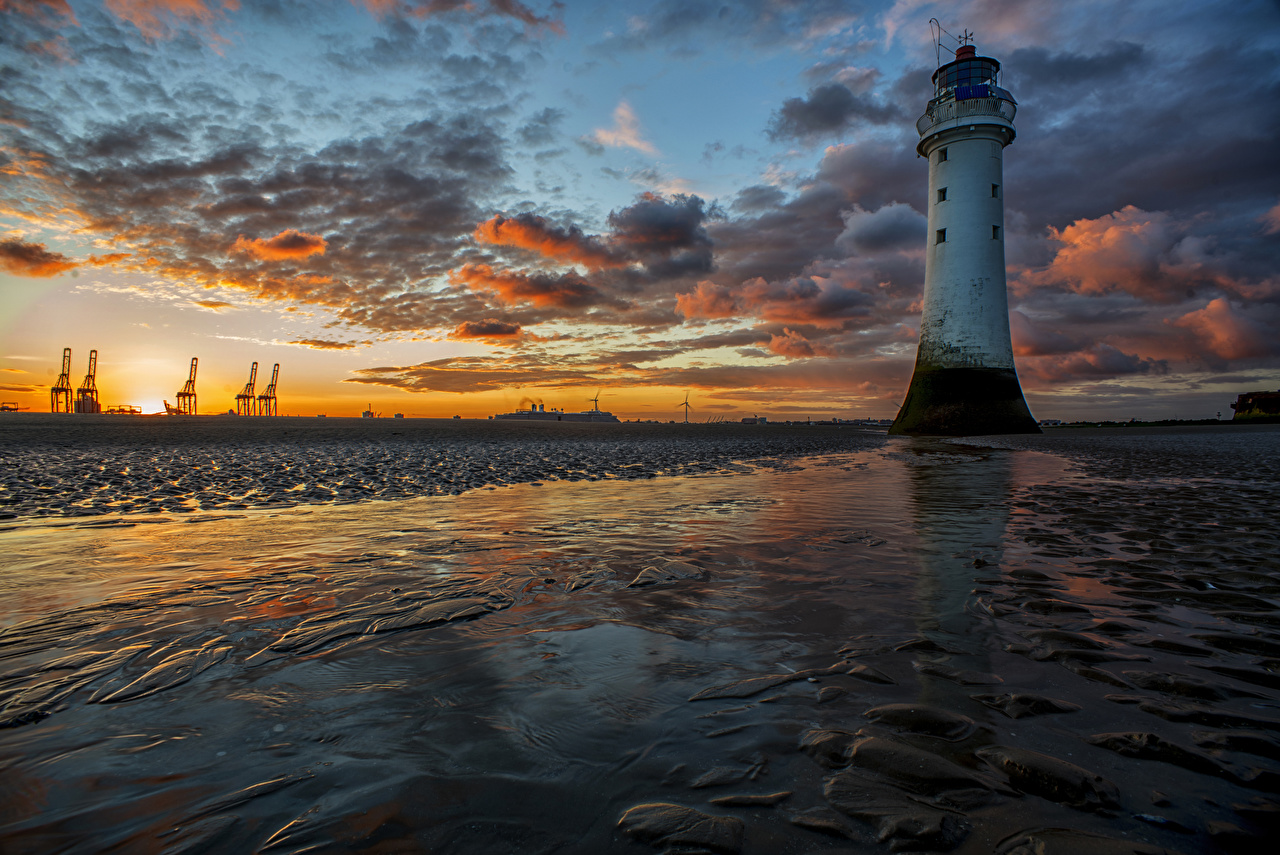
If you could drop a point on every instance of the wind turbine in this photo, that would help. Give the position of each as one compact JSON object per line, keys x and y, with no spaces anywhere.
{"x":687,"y":407}
{"x":596,"y":401}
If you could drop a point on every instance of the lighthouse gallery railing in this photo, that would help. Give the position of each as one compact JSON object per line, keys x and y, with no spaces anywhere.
{"x":948,"y":110}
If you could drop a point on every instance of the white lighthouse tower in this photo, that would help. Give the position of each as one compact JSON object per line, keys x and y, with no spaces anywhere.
{"x":964,"y":382}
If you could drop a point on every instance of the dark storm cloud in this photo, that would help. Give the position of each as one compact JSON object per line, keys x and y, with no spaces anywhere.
{"x":828,"y":111}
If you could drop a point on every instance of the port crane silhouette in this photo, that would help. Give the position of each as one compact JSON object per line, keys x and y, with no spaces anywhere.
{"x":245,"y":401}
{"x":187,"y":397}
{"x":87,"y":394}
{"x":60,"y":392}
{"x":267,"y":405}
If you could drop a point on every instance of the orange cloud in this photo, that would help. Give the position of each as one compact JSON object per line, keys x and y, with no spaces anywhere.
{"x":107,"y":259}
{"x":1227,"y":333}
{"x":289,"y":244}
{"x":810,"y":300}
{"x":792,"y":345}
{"x":528,"y":231}
{"x":155,"y":18}
{"x":565,"y":291}
{"x":1131,"y":250}
{"x":44,"y":11}
{"x":214,"y":305}
{"x":327,"y":344}
{"x":708,"y":300}
{"x":488,"y":328}
{"x":32,"y":259}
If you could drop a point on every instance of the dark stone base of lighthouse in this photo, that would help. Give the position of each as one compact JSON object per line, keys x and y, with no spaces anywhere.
{"x":964,"y":402}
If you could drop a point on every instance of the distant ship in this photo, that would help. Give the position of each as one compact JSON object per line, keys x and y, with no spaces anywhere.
{"x":538,"y":413}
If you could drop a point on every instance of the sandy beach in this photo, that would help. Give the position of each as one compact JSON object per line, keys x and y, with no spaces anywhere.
{"x":478,"y":638}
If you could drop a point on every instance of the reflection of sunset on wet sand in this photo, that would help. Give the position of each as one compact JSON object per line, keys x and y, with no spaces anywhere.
{"x":921,"y":643}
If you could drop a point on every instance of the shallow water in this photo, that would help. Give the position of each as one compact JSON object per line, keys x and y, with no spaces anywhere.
{"x":521,"y":669}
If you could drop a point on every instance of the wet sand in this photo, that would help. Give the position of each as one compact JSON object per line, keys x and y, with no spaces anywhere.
{"x":91,"y":465}
{"x":1054,"y":644}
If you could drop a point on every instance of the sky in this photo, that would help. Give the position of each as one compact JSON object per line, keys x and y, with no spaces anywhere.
{"x":455,"y":207}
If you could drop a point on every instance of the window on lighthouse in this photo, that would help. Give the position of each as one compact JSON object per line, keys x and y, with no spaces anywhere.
{"x":995,"y":233}
{"x":942,"y":194}
{"x":942,"y":155}
{"x":995,"y":191}
{"x":942,"y":236}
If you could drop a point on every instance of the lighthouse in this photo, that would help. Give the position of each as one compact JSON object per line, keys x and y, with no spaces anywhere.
{"x":964,"y":383}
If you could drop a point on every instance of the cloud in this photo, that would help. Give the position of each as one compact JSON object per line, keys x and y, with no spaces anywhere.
{"x":48,"y":12}
{"x":666,"y":233}
{"x":162,"y":19}
{"x":1229,"y":333}
{"x":540,"y":129}
{"x":289,"y":244}
{"x":530,"y":231}
{"x":327,"y":344}
{"x":1133,"y":251}
{"x":894,"y":226}
{"x":792,"y":345}
{"x":500,"y":8}
{"x":655,"y":238}
{"x":563,"y":291}
{"x":214,"y":305}
{"x":798,"y":300}
{"x":711,"y":301}
{"x":1271,"y":221}
{"x":1038,"y":68}
{"x":1033,"y":338}
{"x":475,"y":374}
{"x":1099,"y":362}
{"x":826,"y":111}
{"x":487,"y":328}
{"x":625,"y":132}
{"x":32,"y":259}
